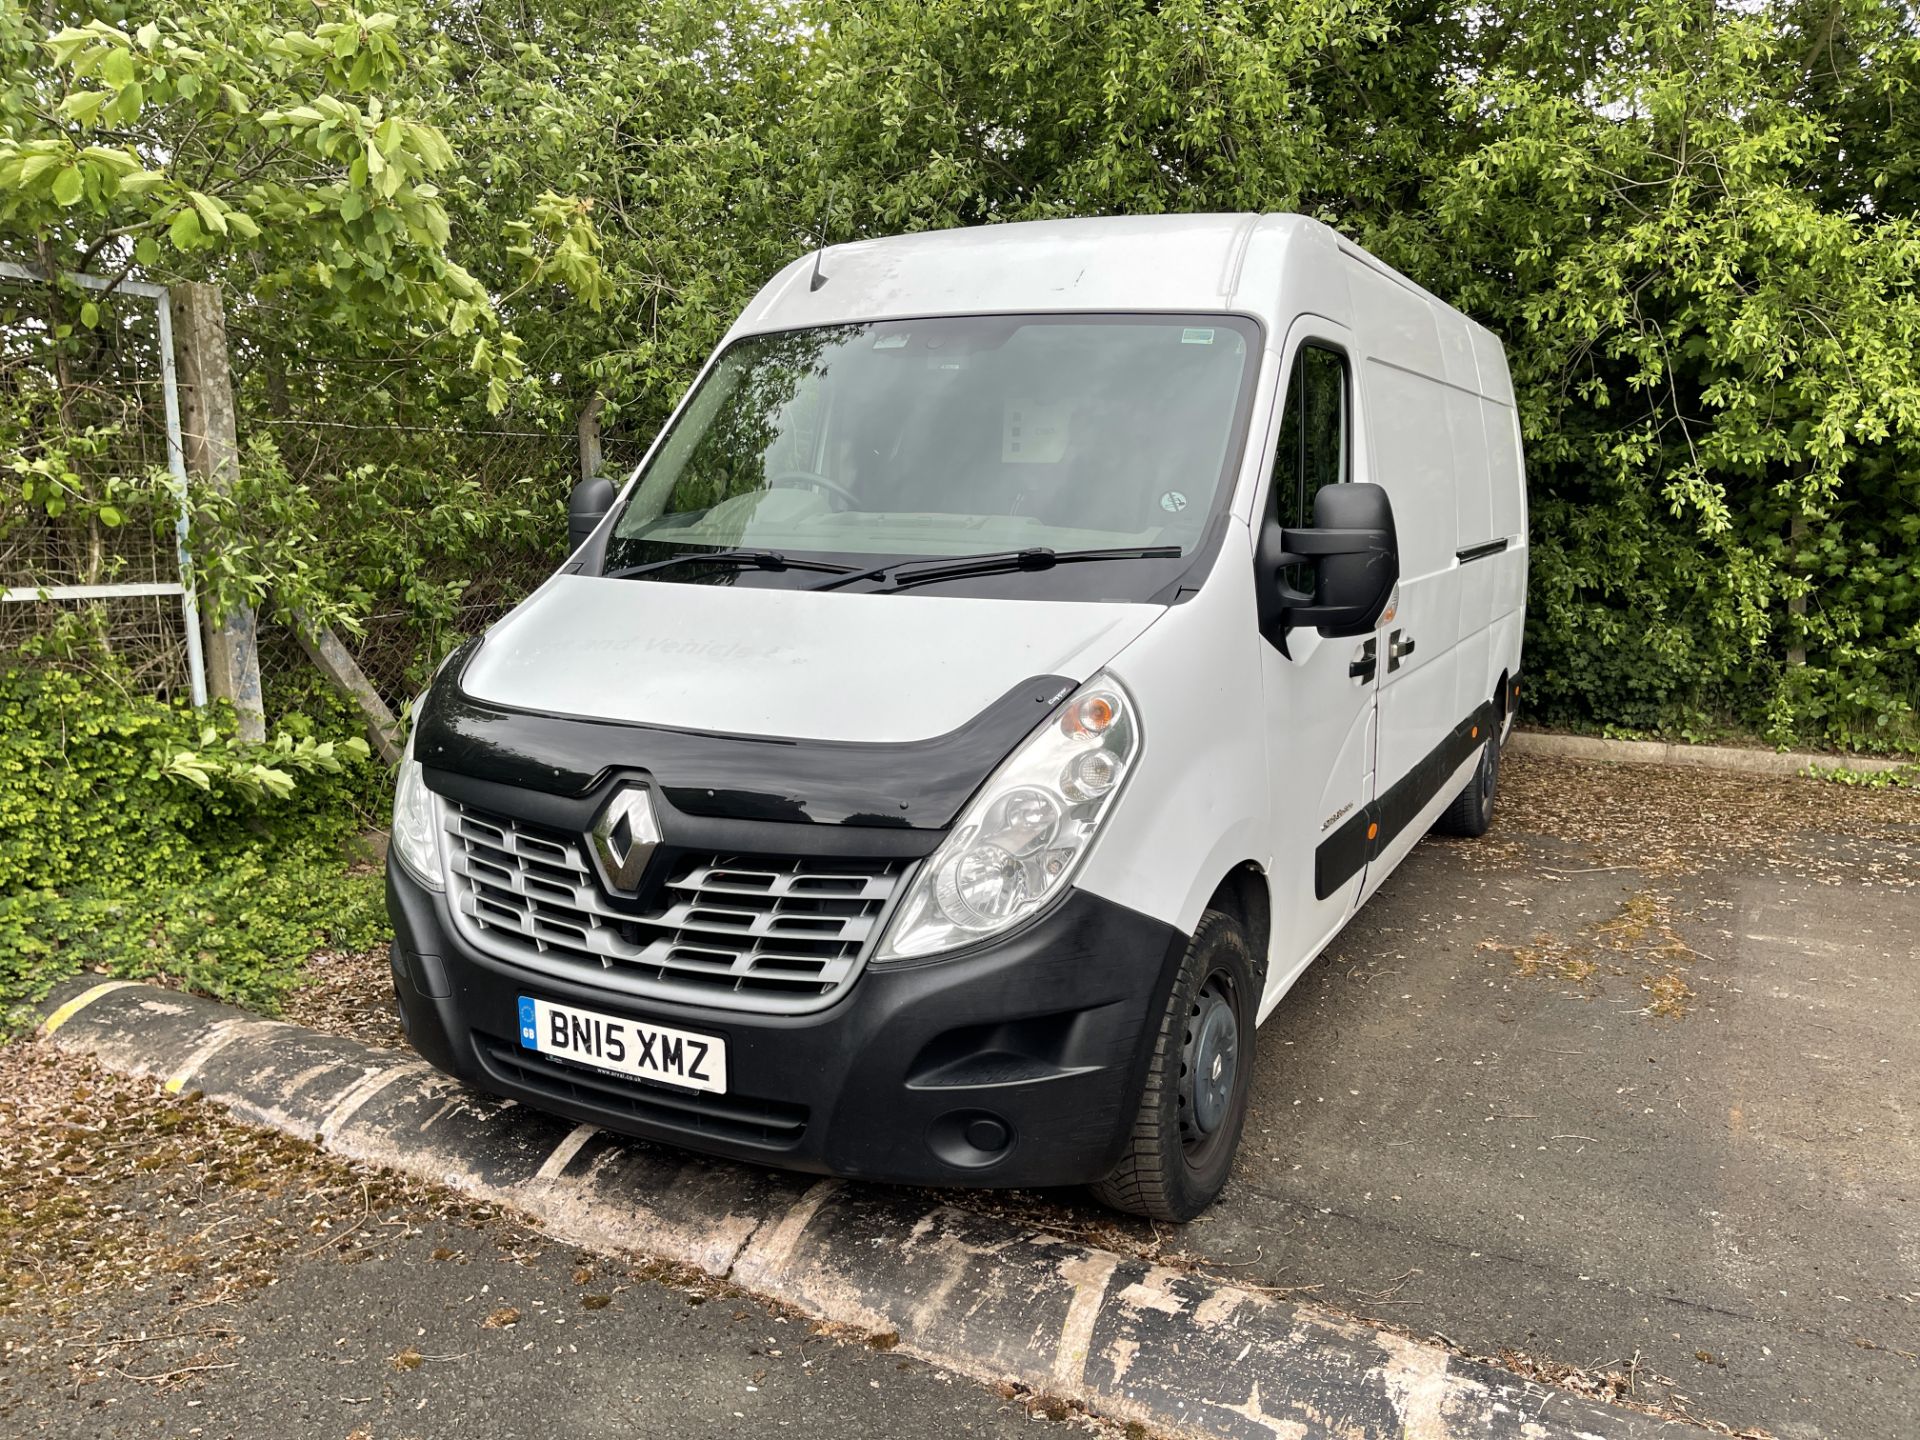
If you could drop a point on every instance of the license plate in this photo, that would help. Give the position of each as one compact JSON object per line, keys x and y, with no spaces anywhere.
{"x":626,"y":1047}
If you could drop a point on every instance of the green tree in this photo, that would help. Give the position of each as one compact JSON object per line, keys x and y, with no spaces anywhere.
{"x":1691,"y":222}
{"x":292,"y":155}
{"x":224,"y":136}
{"x":1710,"y":305}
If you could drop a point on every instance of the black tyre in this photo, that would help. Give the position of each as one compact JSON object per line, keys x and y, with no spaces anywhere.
{"x":1194,"y":1107}
{"x":1472,"y":809}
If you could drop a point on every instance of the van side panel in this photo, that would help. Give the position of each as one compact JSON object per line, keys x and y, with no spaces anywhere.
{"x":1460,"y":360}
{"x":1507,"y":473}
{"x":1495,"y":383}
{"x":1413,"y":460}
{"x":1393,"y":319}
{"x":1473,"y":508}
{"x":1509,"y":509}
{"x":1443,"y":453}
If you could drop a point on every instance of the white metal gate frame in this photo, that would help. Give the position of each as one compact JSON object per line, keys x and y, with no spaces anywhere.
{"x":176,"y":466}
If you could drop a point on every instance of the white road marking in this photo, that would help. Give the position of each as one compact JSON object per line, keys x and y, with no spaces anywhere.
{"x":564,"y":1152}
{"x":363,"y":1090}
{"x":786,"y":1235}
{"x":1089,"y":1275}
{"x":222,"y":1035}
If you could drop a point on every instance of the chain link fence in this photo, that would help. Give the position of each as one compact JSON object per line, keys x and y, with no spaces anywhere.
{"x":88,"y":561}
{"x":443,"y":528}
{"x":436,"y":530}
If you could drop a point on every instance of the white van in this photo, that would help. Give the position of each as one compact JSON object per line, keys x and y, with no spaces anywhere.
{"x":1021,"y":653}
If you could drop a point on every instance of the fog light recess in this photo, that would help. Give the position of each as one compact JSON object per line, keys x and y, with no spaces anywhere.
{"x":971,"y":1139}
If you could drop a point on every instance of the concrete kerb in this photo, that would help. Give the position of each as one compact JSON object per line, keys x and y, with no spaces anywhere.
{"x":974,"y":1294}
{"x":1697,"y":757}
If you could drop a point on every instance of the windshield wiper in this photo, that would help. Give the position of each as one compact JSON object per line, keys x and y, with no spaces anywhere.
{"x":745,"y":559}
{"x":953,"y":567}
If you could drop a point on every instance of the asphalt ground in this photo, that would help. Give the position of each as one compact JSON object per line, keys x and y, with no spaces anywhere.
{"x":170,"y":1272}
{"x":1619,"y":1096}
{"x":1623,"y":1095}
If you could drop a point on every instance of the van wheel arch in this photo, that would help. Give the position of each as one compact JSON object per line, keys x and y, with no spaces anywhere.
{"x":1245,"y":893}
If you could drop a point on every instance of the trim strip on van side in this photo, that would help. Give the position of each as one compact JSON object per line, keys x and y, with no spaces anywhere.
{"x":1482,"y":551}
{"x":1352,"y":847}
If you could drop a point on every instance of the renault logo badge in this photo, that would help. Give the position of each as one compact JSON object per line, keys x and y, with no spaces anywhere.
{"x":622,"y":839}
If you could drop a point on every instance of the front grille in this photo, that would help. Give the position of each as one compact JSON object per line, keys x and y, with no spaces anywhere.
{"x":774,"y":1124}
{"x":776,"y":934}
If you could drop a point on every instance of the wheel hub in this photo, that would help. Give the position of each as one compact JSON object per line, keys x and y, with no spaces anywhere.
{"x":1212,"y":1050}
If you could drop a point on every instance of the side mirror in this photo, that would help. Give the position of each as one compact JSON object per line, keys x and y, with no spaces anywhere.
{"x":1355,"y":554}
{"x":586,"y":508}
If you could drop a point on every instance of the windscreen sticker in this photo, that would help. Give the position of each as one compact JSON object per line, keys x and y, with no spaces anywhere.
{"x":894,"y":341}
{"x":1173,"y":502}
{"x":1033,"y":434}
{"x":1195,"y":336}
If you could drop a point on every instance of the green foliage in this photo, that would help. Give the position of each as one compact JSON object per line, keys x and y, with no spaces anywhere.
{"x":97,"y":784}
{"x":224,"y":138}
{"x":1906,"y":777}
{"x":1714,"y":347}
{"x":240,"y":935}
{"x":137,"y":839}
{"x":1692,"y":224}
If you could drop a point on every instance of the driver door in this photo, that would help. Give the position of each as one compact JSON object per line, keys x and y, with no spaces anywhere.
{"x":1320,"y":693}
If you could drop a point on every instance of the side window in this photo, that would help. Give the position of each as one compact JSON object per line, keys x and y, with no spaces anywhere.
{"x":1314,"y":448}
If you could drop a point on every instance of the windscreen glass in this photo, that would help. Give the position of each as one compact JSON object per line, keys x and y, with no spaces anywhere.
{"x":952,"y":437}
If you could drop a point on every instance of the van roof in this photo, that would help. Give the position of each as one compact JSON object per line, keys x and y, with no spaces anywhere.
{"x":1111,"y":263}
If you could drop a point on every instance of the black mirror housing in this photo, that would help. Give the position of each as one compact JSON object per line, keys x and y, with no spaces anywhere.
{"x":1355,"y":553}
{"x":586,"y":508}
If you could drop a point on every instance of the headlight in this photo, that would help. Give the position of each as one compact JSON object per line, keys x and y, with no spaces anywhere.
{"x":416,"y":824}
{"x":1020,"y":841}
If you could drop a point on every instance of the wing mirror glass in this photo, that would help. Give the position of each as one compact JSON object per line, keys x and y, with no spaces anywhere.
{"x":1355,"y":558}
{"x":586,"y":508}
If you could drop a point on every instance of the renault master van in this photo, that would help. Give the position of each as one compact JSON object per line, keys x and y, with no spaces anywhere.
{"x":1023,"y":650}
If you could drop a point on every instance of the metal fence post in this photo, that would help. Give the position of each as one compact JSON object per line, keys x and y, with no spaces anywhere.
{"x":177,"y":467}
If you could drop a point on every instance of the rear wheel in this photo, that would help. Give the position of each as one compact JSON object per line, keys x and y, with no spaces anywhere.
{"x":1194,"y":1106}
{"x":1472,"y":809}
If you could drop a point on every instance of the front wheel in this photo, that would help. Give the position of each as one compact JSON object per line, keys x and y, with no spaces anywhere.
{"x":1194,"y":1107}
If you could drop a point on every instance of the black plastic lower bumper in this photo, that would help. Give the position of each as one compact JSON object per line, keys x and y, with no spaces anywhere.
{"x":1018,"y":1063}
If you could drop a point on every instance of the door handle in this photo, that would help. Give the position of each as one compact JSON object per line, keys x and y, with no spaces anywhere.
{"x":1398,"y":649}
{"x":1365,"y":662}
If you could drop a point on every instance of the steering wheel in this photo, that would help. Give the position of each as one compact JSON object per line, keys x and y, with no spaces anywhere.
{"x":812,"y":479}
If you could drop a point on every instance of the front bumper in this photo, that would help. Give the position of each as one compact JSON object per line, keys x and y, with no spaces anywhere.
{"x":1020,"y":1062}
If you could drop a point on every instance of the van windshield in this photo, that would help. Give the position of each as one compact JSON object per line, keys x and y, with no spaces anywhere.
{"x":852,"y":446}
